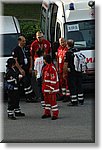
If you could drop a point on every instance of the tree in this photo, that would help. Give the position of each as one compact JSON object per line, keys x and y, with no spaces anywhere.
{"x":29,"y":29}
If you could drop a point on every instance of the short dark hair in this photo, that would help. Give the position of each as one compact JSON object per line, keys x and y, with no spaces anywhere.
{"x":48,"y":59}
{"x":70,"y":43}
{"x":19,"y":39}
{"x":10,"y":62}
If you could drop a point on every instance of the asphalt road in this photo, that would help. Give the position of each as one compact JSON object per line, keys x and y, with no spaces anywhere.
{"x":75,"y":124}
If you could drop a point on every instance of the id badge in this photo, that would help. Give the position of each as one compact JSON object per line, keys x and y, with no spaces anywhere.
{"x":25,"y":61}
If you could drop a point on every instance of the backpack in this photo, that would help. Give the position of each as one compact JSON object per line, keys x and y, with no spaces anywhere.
{"x":8,"y":86}
{"x":80,"y":62}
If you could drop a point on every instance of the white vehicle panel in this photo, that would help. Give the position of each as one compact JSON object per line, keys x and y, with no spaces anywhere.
{"x":90,"y":59}
{"x":3,"y":61}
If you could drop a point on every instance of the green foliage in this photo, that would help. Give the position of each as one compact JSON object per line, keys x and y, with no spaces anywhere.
{"x":29,"y":29}
{"x":28,"y":15}
{"x":22,"y":10}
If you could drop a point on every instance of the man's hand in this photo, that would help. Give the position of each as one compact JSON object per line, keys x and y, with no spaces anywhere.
{"x":22,"y":72}
{"x":19,"y":67}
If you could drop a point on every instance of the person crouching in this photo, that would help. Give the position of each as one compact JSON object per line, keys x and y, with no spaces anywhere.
{"x":50,"y":86}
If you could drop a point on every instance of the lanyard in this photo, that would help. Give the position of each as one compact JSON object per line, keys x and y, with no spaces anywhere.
{"x":25,"y":58}
{"x":23,"y":50}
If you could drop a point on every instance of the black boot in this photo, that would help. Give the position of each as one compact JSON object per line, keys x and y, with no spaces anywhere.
{"x":67,"y":99}
{"x":73,"y":103}
{"x":54,"y":117}
{"x":73,"y":100}
{"x":19,"y":114}
{"x":11,"y":116}
{"x":45,"y":116}
{"x":81,"y":99}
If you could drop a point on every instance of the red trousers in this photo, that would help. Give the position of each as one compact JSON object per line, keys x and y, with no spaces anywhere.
{"x":50,"y":104}
{"x":64,"y":85}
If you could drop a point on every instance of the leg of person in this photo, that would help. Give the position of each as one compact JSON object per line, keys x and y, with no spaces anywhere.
{"x":43,"y":103}
{"x":39,"y":83}
{"x":62,"y":89}
{"x":54,"y":106}
{"x":63,"y":86}
{"x":67,"y":98}
{"x":73,"y":92}
{"x":47,"y":109}
{"x":27,"y":89}
{"x":67,"y":89}
{"x":10,"y":109}
{"x":34,"y":87}
{"x":79,"y":89}
{"x":17,"y":109}
{"x":67,"y":94}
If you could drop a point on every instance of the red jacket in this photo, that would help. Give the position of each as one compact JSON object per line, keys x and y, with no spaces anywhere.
{"x":60,"y":57}
{"x":50,"y":79}
{"x":45,"y":45}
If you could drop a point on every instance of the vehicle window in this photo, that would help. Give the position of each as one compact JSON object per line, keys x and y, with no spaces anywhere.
{"x":82,"y":32}
{"x":9,"y":42}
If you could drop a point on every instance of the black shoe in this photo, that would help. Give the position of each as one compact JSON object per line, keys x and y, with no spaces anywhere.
{"x":28,"y":100}
{"x":72,"y":104}
{"x":81,"y":103}
{"x":19,"y":114}
{"x":60,"y":98}
{"x":12,"y":117}
{"x":67,"y":99}
{"x":45,"y":116}
{"x":31,"y":100}
{"x":39,"y":99}
{"x":54,"y":118}
{"x":36,"y":99}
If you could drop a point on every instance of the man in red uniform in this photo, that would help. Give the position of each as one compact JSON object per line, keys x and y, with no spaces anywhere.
{"x":44,"y":46}
{"x":40,"y":43}
{"x":60,"y":64}
{"x":50,"y":86}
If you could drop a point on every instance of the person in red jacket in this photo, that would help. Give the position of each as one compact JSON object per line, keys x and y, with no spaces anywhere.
{"x":45,"y":46}
{"x":41,"y":43}
{"x":60,"y":64}
{"x":50,"y":87}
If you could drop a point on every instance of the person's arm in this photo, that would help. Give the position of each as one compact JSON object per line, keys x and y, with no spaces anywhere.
{"x":32,"y":53}
{"x":19,"y":67}
{"x":15,"y":55}
{"x":31,"y":64}
{"x":57,"y":64}
{"x":54,"y":81}
{"x":65,"y":66}
{"x":35,"y":67}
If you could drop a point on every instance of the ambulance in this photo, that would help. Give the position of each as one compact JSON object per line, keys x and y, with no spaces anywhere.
{"x":71,"y":19}
{"x":9,"y":32}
